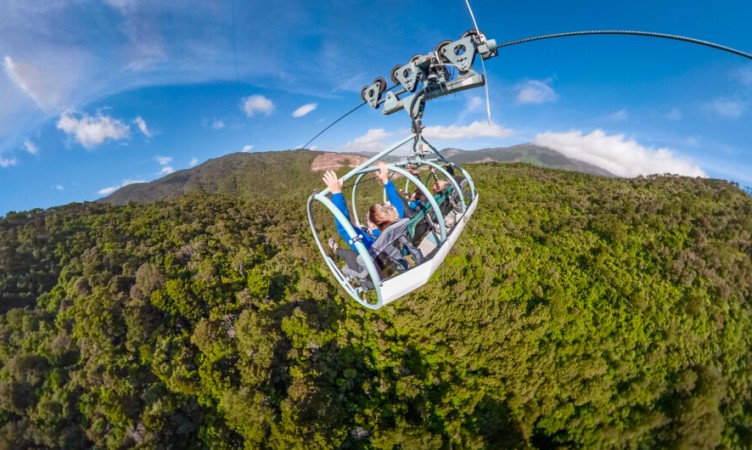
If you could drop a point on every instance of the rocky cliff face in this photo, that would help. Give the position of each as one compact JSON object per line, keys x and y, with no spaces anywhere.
{"x":335,"y":161}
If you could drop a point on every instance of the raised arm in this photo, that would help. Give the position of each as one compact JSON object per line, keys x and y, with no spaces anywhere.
{"x":335,"y":187}
{"x":391,"y":190}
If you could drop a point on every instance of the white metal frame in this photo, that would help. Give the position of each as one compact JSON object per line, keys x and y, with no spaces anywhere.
{"x":394,"y":287}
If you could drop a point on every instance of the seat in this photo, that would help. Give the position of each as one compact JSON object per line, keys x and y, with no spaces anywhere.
{"x":387,"y":252}
{"x":423,"y":222}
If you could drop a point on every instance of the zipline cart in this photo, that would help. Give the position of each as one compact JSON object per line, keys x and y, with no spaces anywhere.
{"x":435,"y":228}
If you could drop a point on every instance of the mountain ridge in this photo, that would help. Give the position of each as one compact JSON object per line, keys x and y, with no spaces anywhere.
{"x":233,"y":173}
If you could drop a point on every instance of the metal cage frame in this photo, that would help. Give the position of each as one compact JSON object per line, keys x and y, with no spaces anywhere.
{"x":390,"y":289}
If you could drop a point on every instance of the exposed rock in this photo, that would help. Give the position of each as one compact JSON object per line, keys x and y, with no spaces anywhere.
{"x":335,"y":161}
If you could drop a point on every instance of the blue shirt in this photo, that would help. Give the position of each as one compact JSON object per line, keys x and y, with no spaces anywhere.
{"x":366,"y":239}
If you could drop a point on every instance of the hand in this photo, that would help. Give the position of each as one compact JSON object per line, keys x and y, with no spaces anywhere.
{"x":332,"y":182}
{"x":383,"y":173}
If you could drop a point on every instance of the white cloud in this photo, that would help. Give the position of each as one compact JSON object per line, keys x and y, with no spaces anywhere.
{"x":217,"y":124}
{"x":141,"y":124}
{"x":257,"y":103}
{"x":247,"y":148}
{"x":31,"y":147}
{"x":304,"y":110}
{"x":91,"y":131}
{"x":110,"y":189}
{"x":732,"y":109}
{"x":59,"y":187}
{"x":474,"y":130}
{"x":474,"y":104}
{"x":536,"y":92}
{"x":373,"y":140}
{"x":4,"y":162}
{"x":42,"y":88}
{"x":193,"y":162}
{"x":620,"y":156}
{"x":619,"y":116}
{"x":164,"y":161}
{"x":377,"y":139}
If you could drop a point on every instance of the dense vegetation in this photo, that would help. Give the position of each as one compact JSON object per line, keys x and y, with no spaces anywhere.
{"x":575,"y":311}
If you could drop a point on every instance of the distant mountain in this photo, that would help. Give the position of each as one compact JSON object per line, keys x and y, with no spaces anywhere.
{"x":528,"y":153}
{"x":244,"y":174}
{"x":289,"y":172}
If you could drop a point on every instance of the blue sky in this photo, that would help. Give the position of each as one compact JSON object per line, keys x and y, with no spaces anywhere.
{"x":98,"y":94}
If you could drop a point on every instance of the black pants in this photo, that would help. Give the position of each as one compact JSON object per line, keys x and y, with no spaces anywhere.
{"x":350,"y":257}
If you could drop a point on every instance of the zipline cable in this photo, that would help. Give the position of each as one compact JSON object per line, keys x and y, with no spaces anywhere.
{"x":674,"y":37}
{"x":333,"y":123}
{"x":631,"y":33}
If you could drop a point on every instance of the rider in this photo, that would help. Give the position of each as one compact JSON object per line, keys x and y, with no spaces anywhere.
{"x":379,"y":216}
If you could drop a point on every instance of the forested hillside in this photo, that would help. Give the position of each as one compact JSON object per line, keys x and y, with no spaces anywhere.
{"x":574,"y":311}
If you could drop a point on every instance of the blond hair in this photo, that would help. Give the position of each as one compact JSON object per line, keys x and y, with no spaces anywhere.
{"x":382,"y":215}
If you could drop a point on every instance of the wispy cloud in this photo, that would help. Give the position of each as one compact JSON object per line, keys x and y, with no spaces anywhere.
{"x":536,"y":92}
{"x":674,"y":114}
{"x":743,"y":76}
{"x":110,"y":189}
{"x":91,"y":131}
{"x":304,"y":110}
{"x":476,"y":129}
{"x":374,"y":140}
{"x":43,"y":87}
{"x":257,"y":104}
{"x":142,"y":127}
{"x":164,"y":161}
{"x":617,"y":154}
{"x":729,"y":108}
{"x":121,"y":5}
{"x":31,"y":147}
{"x":58,"y":187}
{"x":619,"y":116}
{"x":473,"y":105}
{"x":193,"y":162}
{"x":8,"y":162}
{"x":217,"y":124}
{"x":247,"y":148}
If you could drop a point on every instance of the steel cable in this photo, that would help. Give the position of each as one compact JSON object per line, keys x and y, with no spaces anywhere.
{"x":633,"y":33}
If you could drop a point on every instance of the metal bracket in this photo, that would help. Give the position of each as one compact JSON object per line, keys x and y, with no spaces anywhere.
{"x":461,"y":53}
